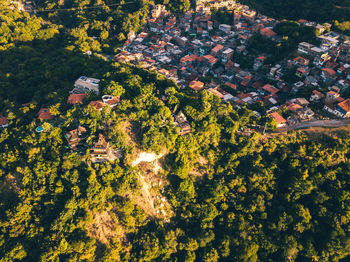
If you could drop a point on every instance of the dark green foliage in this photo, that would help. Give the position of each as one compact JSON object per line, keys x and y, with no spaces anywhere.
{"x":233,"y":197}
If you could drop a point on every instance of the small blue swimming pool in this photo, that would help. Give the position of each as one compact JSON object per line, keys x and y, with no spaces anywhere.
{"x":39,"y":129}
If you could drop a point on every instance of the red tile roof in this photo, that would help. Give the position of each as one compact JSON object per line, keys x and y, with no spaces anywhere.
{"x":329,"y":71}
{"x":3,"y":121}
{"x":257,"y":84}
{"x":97,"y":104}
{"x":189,"y":58}
{"x":319,"y":94}
{"x":211,"y":59}
{"x":294,"y":107}
{"x":279,"y":119}
{"x":270,"y":89}
{"x":230,"y":85}
{"x":113,"y":101}
{"x":44,"y":114}
{"x":215,"y":92}
{"x":301,"y":60}
{"x":196,"y":85}
{"x":262,"y":58}
{"x":242,"y":95}
{"x":267,"y":32}
{"x":217,"y":48}
{"x":76,"y":99}
{"x":345,"y":105}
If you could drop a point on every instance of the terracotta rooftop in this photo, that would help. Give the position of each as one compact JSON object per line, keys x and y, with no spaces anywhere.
{"x":242,"y":95}
{"x":211,"y":59}
{"x":302,"y":60}
{"x":215,"y":92}
{"x":267,"y":32}
{"x":44,"y":114}
{"x":269,"y":88}
{"x":196,"y":85}
{"x":97,"y":104}
{"x":319,"y":94}
{"x":261,"y":58}
{"x":345,"y":105}
{"x":3,"y":121}
{"x":230,"y":85}
{"x":294,"y":107}
{"x":189,"y":58}
{"x":217,"y":48}
{"x":279,"y":119}
{"x":76,"y":99}
{"x":329,"y":71}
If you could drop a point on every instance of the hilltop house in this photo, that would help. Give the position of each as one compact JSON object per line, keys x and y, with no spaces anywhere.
{"x":85,"y":85}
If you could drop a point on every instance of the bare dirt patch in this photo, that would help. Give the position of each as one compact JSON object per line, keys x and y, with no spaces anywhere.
{"x":105,"y":227}
{"x":150,"y":196}
{"x":144,"y":197}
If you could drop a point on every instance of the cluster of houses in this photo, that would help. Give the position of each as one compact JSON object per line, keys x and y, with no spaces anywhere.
{"x":101,"y":151}
{"x":199,"y":53}
{"x":25,"y":6}
{"x":204,"y":6}
{"x":194,"y":47}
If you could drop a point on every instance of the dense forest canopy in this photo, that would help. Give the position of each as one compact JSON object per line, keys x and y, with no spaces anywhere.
{"x":228,"y":196}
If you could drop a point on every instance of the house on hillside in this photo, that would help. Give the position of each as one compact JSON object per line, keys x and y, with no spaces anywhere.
{"x":74,"y":99}
{"x":111,"y":101}
{"x":75,"y":136}
{"x":85,"y":85}
{"x":102,"y":151}
{"x":182,"y":123}
{"x":281,"y":122}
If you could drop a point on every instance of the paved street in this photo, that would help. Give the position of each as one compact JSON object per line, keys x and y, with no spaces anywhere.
{"x":316,"y":123}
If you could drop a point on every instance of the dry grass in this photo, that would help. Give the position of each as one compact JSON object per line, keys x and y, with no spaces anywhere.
{"x":105,"y":227}
{"x":152,"y":183}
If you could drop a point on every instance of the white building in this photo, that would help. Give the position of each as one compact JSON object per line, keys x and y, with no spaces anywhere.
{"x":85,"y":85}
